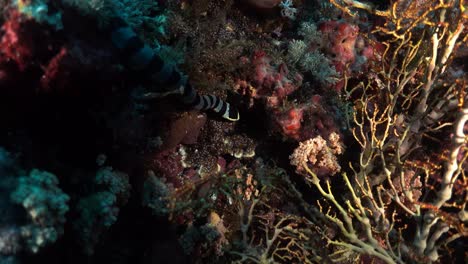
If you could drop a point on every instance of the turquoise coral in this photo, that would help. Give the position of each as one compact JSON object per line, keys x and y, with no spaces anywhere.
{"x":155,"y":195}
{"x":46,"y":206}
{"x":310,"y":60}
{"x":39,"y":11}
{"x":116,"y":182}
{"x":99,"y":210}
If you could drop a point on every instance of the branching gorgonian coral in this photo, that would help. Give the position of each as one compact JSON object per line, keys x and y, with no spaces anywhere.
{"x":406,"y":195}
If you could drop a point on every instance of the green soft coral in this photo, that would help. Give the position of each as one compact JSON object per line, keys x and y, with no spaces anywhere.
{"x":99,"y":210}
{"x":45,"y":204}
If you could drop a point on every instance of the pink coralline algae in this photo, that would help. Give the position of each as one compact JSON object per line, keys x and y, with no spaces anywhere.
{"x":168,"y":165}
{"x":18,"y":41}
{"x":290,"y":122}
{"x":31,"y":49}
{"x":76,"y":64}
{"x":53,"y":75}
{"x":272,"y":83}
{"x":346,"y":47}
{"x":322,"y":117}
{"x":22,"y":52}
{"x":22,"y":42}
{"x":306,"y":121}
{"x":341,"y":39}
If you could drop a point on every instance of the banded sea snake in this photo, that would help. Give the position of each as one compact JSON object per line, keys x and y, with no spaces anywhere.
{"x":140,"y":57}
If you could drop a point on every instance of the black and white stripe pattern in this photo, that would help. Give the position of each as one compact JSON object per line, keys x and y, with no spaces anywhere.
{"x":208,"y":102}
{"x":139,"y":56}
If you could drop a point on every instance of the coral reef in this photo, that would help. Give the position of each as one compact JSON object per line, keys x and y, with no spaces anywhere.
{"x":44,"y":204}
{"x":99,"y":210}
{"x":309,"y":58}
{"x":233,"y":131}
{"x":318,"y":154}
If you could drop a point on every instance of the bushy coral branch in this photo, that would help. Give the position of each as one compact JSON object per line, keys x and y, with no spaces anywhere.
{"x":403,"y":101}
